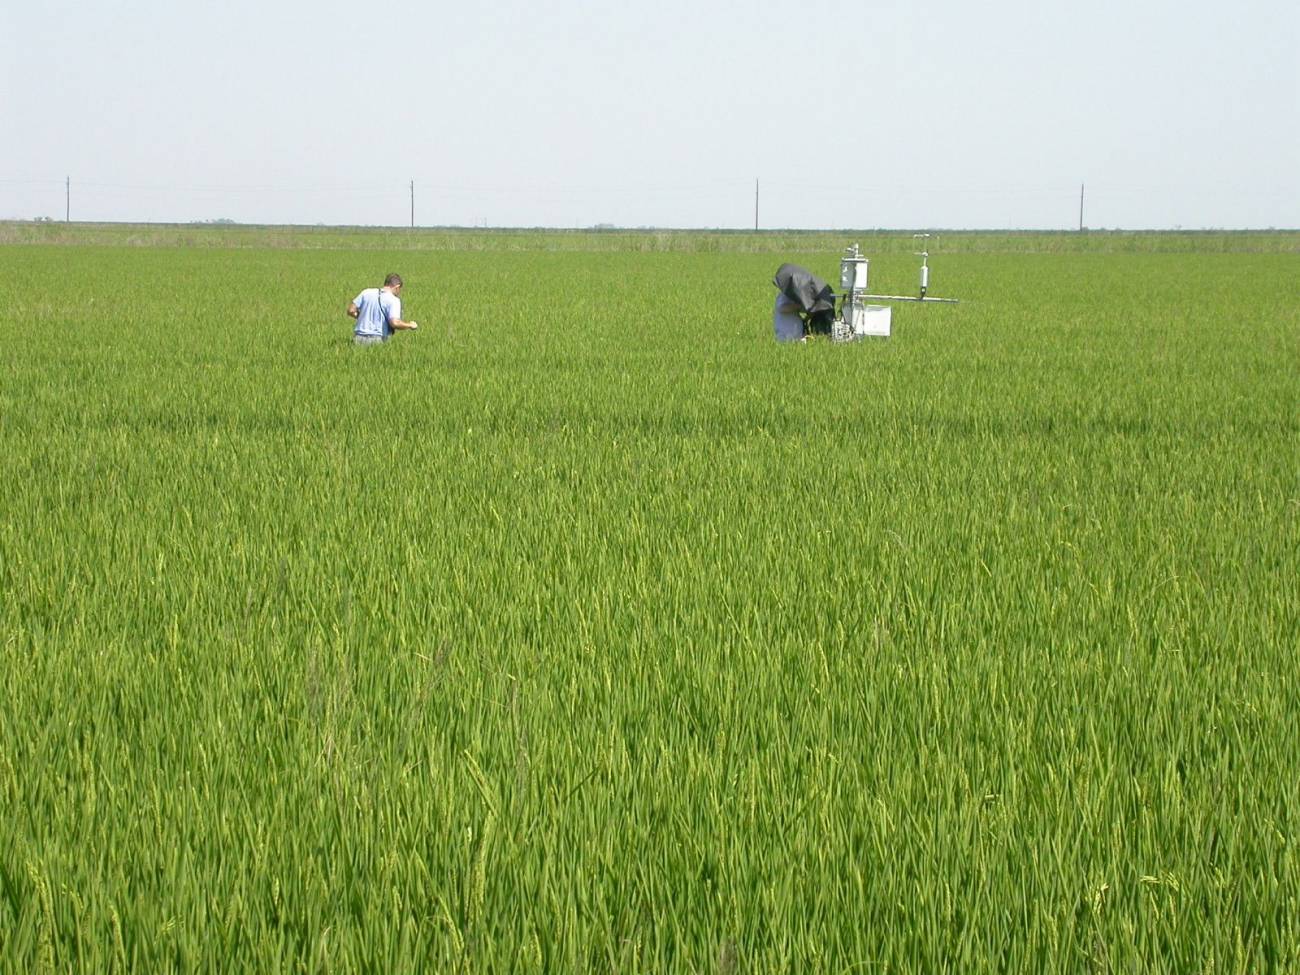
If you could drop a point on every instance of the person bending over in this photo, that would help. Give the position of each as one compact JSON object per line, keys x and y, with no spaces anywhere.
{"x":805,"y":304}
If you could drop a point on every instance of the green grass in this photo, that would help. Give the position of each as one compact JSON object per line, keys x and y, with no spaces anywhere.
{"x":587,"y":629}
{"x":875,"y":242}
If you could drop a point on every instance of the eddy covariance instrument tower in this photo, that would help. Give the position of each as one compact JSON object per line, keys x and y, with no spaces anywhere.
{"x":858,"y":318}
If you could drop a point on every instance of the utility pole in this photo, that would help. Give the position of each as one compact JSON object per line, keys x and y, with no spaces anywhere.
{"x":755,"y":202}
{"x":1080,"y":208}
{"x":67,"y":199}
{"x":412,"y":204}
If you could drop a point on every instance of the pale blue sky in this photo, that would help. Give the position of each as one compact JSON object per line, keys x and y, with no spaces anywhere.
{"x":851,"y":114}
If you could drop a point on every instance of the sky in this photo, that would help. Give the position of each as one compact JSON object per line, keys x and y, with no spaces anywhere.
{"x":843,"y":113}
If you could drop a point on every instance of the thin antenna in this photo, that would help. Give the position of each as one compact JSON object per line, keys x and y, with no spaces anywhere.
{"x":1080,"y":208}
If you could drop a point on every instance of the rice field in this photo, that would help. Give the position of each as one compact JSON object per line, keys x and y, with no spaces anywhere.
{"x":586,"y":629}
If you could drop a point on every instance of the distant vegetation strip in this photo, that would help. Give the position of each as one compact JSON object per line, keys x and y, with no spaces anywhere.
{"x":647,"y":240}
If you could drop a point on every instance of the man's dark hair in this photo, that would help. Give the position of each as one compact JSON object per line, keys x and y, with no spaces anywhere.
{"x":393,"y":281}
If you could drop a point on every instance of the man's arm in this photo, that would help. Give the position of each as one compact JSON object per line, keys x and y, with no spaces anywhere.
{"x":353,"y":310}
{"x":396,"y":323}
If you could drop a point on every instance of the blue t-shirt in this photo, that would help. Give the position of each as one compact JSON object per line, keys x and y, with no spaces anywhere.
{"x":376,"y":308}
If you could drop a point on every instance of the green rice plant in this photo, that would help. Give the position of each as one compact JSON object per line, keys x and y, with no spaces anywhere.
{"x":587,"y":629}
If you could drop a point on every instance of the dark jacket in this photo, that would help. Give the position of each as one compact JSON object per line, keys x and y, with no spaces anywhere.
{"x":801,"y":285}
{"x":814,"y":296}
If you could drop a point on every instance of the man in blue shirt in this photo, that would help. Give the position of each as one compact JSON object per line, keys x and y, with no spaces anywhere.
{"x":800,"y":293}
{"x":378,"y":312}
